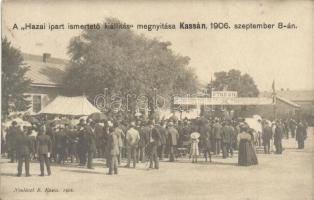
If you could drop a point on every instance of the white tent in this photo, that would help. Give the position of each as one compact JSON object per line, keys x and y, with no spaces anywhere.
{"x":70,"y":106}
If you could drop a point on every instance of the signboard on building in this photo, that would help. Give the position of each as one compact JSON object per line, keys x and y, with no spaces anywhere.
{"x":224,"y":94}
{"x":222,"y":101}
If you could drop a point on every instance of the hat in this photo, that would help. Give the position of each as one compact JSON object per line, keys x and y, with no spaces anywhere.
{"x":170,"y":124}
{"x":110,"y":124}
{"x":195,"y":135}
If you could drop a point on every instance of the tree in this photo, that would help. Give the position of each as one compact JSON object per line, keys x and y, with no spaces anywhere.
{"x":233,"y":80}
{"x":126,"y":63}
{"x":14,"y":82}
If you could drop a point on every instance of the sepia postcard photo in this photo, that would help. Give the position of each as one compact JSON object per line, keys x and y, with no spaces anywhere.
{"x":157,"y":100}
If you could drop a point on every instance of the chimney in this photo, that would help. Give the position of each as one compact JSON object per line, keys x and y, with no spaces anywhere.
{"x":46,"y":57}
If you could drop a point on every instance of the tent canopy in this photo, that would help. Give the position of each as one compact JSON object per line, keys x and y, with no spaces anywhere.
{"x":70,"y":106}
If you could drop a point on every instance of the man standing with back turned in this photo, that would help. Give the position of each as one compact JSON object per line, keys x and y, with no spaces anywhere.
{"x":43,"y":149}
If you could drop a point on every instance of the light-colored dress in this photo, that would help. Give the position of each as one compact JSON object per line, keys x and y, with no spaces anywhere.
{"x":194,"y":147}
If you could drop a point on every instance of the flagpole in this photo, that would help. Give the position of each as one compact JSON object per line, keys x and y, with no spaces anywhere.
{"x":274,"y":100}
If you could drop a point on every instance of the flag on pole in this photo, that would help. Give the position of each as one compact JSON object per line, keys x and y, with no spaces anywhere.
{"x":273,"y":86}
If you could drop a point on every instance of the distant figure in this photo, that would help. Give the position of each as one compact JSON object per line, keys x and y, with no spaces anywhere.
{"x":278,"y":138}
{"x":91,"y":143}
{"x":114,"y":151}
{"x":132,"y":139}
{"x":154,"y":137}
{"x":10,"y":137}
{"x":173,"y":136}
{"x":292,"y":126}
{"x":163,"y":140}
{"x":194,"y":152}
{"x":205,"y":138}
{"x":24,"y":148}
{"x":82,"y":142}
{"x":143,"y":143}
{"x":217,"y":137}
{"x":43,"y":149}
{"x":247,"y":155}
{"x":119,"y":132}
{"x":300,"y":135}
{"x":227,"y":133}
{"x":267,"y":135}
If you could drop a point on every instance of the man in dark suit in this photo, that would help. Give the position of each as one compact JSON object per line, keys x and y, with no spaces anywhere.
{"x":43,"y":149}
{"x":205,"y":139}
{"x":217,"y":137}
{"x":61,"y":139}
{"x":300,"y":135}
{"x":13,"y":132}
{"x":82,"y":142}
{"x":278,"y":137}
{"x":173,"y":140}
{"x":91,"y":143}
{"x":114,"y":150}
{"x":163,"y":140}
{"x":24,"y":148}
{"x":227,"y":132}
{"x":267,"y":136}
{"x":144,"y":141}
{"x":153,"y":143}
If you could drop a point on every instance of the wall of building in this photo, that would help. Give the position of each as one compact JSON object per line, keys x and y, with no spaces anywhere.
{"x":40,"y":97}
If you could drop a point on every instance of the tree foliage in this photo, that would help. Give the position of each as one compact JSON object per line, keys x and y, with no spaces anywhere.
{"x":14,"y":82}
{"x":126,"y":63}
{"x":233,"y":80}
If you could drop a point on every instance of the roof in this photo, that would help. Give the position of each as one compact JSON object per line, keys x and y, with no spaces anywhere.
{"x":287,"y":101}
{"x":293,"y":95}
{"x":77,"y":106}
{"x":49,"y":74}
{"x":297,"y":95}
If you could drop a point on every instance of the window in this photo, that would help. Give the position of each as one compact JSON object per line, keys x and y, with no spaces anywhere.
{"x":36,"y":103}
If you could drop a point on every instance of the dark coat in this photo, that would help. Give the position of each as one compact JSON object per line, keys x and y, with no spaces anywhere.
{"x":11,"y":136}
{"x":113,"y":144}
{"x":155,"y":136}
{"x":43,"y":144}
{"x":163,"y":135}
{"x":143,"y":138}
{"x":205,"y":138}
{"x":82,"y":138}
{"x":227,"y":134}
{"x":300,"y":133}
{"x":61,"y":140}
{"x":24,"y":144}
{"x":267,"y":135}
{"x":173,"y":136}
{"x":278,"y":134}
{"x":91,"y":138}
{"x":217,"y":131}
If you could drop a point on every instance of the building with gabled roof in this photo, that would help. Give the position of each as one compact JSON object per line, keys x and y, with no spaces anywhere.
{"x":46,"y":74}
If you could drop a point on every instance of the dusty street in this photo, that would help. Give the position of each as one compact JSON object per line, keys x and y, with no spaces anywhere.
{"x":280,"y":177}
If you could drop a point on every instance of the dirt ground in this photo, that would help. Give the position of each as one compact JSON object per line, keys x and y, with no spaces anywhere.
{"x":280,"y":177}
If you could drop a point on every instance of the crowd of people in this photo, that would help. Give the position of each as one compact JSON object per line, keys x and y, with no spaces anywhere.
{"x":142,"y":140}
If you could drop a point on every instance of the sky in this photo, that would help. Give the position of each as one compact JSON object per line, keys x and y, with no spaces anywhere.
{"x":285,"y":56}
